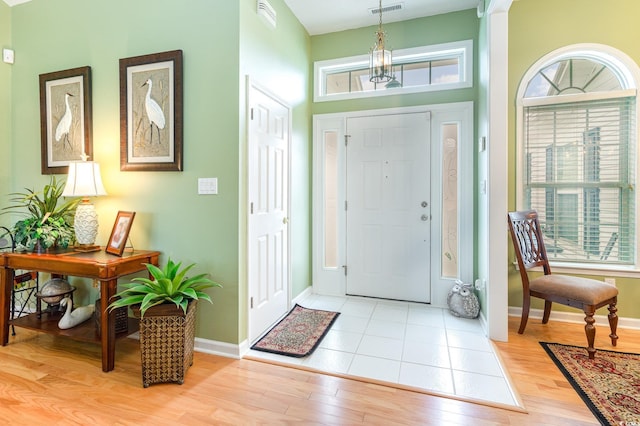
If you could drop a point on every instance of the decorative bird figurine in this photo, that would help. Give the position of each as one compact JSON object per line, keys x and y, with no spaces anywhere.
{"x":65,"y":123}
{"x":73,"y":317}
{"x":462,"y":301}
{"x":154,"y":112}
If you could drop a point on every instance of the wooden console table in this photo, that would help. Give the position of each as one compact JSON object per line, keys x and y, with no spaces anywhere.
{"x":96,"y":265}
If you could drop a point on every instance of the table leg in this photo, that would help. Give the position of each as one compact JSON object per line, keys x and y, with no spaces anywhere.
{"x":6,"y":285}
{"x":108,"y":326}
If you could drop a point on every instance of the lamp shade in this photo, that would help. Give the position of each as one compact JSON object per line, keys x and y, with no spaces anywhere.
{"x":84,"y":180}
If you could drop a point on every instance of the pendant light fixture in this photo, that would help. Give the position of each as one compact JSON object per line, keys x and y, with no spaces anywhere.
{"x":380,"y":58}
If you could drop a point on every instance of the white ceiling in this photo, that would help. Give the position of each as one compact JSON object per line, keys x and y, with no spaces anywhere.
{"x":326,"y":16}
{"x":14,"y":2}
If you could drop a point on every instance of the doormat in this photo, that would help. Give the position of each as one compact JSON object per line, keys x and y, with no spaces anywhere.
{"x":608,"y":384}
{"x":298,"y":334}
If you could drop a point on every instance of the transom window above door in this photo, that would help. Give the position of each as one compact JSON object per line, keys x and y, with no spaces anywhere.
{"x":421,"y":69}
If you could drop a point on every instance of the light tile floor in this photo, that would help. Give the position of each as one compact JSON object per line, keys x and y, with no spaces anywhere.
{"x":406,"y":343}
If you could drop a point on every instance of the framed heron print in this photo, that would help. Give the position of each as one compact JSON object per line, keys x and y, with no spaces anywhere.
{"x":65,"y":118}
{"x":151,"y":112}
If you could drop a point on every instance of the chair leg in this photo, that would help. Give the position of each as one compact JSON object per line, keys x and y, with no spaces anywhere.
{"x":590,"y":331}
{"x":613,"y":323}
{"x":526,"y":304}
{"x":547,"y":311}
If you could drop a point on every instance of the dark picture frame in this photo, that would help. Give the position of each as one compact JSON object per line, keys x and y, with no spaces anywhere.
{"x":65,"y":119}
{"x":120,"y":233}
{"x":151,"y":110}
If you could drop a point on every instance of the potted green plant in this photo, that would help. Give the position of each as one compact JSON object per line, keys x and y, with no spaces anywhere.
{"x":166,"y":305}
{"x":47,"y":222}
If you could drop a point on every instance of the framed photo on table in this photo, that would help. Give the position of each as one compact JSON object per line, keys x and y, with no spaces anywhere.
{"x":65,"y":118}
{"x":120,"y":233}
{"x":151,"y":112}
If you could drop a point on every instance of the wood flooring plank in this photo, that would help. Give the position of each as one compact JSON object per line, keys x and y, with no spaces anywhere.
{"x":52,"y":380}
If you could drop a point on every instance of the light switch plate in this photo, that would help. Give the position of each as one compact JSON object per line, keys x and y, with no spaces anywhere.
{"x":7,"y":56}
{"x":207,"y":186}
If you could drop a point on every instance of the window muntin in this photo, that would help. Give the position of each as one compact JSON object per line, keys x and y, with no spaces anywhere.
{"x":571,"y":76}
{"x":428,"y":68}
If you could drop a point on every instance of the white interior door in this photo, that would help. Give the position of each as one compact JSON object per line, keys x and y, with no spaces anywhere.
{"x":389,"y":207}
{"x":268,"y":238}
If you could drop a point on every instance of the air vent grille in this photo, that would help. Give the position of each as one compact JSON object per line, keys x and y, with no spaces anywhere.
{"x":266,"y":11}
{"x":385,"y":9}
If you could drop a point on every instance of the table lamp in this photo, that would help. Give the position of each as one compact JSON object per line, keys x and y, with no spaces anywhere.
{"x":84,"y":181}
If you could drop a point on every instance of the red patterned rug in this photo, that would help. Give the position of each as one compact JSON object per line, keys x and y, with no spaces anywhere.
{"x":298,"y":334}
{"x":608,"y":384}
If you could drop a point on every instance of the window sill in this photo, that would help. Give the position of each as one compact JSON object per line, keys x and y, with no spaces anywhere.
{"x":598,"y":270}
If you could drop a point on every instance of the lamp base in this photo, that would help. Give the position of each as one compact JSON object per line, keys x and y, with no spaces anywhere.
{"x":86,"y":247}
{"x":86,"y":223}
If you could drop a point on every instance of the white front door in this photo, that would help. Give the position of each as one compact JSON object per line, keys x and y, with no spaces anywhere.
{"x":268,"y":239}
{"x":388,"y":237}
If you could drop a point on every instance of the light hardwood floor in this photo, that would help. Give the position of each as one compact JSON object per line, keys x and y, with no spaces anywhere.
{"x":53,"y":380}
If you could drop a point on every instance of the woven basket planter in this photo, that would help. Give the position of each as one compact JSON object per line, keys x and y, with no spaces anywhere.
{"x":167,"y":337}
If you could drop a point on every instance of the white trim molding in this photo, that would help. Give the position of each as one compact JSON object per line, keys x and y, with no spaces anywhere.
{"x":574,"y":317}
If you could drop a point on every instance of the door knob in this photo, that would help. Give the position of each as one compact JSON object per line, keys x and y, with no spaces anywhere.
{"x":285,"y":220}
{"x":424,"y":217}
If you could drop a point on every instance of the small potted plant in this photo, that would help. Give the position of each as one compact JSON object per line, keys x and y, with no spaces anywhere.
{"x":166,"y":306}
{"x":47,"y":224}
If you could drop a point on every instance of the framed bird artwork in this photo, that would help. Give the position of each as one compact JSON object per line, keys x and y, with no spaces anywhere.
{"x":151,"y":112}
{"x":65,"y":118}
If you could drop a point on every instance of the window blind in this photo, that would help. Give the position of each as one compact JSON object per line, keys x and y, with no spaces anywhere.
{"x":580,"y":177}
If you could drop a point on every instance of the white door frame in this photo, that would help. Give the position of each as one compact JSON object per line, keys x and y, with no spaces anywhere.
{"x":330,"y":281}
{"x":251,"y":86}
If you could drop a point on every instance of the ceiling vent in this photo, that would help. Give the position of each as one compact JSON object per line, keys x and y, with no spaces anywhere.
{"x":267,"y":12}
{"x":391,"y":8}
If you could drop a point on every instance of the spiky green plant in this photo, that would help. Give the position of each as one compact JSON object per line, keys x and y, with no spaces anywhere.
{"x":45,"y":221}
{"x":169,"y":285}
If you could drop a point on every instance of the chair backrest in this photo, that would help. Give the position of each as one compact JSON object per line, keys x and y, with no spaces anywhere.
{"x":527,"y":241}
{"x":7,"y":242}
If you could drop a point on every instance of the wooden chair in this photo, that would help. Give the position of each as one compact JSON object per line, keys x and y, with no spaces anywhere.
{"x":582,"y":293}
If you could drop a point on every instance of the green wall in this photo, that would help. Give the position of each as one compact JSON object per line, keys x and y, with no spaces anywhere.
{"x":5,"y":101}
{"x":53,"y":35}
{"x":565,"y":22}
{"x":437,"y":29}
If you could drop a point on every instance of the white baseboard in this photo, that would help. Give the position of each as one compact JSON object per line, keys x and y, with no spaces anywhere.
{"x":213,"y":347}
{"x":576,"y":317}
{"x":306,"y":293}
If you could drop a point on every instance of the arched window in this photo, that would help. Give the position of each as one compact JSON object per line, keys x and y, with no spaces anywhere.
{"x":577,"y":140}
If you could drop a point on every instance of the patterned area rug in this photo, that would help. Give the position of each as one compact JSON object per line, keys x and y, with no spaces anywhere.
{"x":298,"y":334}
{"x":608,"y":384}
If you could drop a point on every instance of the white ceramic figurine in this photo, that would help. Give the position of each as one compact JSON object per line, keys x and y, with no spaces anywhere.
{"x":73,"y":317}
{"x":462,"y":301}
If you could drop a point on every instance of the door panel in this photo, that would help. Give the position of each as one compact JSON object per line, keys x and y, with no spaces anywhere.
{"x":268,"y":239}
{"x":388,"y":207}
